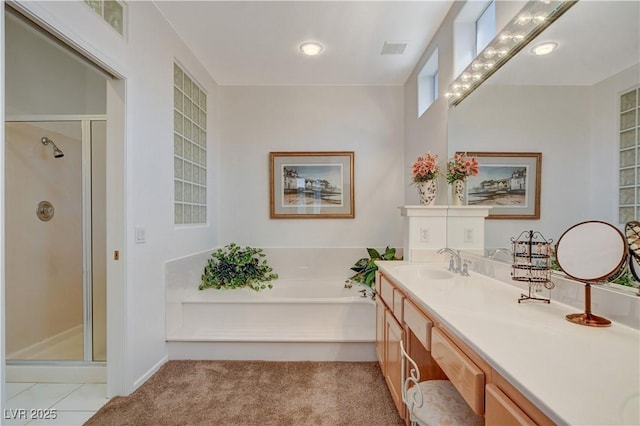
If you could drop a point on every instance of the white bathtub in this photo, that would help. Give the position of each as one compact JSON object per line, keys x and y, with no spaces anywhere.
{"x":304,"y":312}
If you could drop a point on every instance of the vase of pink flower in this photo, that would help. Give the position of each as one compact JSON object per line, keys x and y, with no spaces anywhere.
{"x":425,"y":171}
{"x":459,"y":168}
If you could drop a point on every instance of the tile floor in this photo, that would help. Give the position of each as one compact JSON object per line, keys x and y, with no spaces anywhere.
{"x":70,"y":403}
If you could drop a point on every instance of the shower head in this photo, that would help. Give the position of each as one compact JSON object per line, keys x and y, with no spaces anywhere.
{"x":57,"y":152}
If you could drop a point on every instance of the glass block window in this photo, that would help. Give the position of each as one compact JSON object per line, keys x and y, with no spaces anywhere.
{"x":629,"y":178}
{"x":189,"y":149}
{"x":112,"y":11}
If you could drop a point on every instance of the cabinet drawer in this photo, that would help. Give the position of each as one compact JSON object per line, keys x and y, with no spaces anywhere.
{"x":502,"y":411}
{"x":419,"y":324}
{"x":467,"y":378}
{"x":386,"y":291}
{"x":398,"y":301}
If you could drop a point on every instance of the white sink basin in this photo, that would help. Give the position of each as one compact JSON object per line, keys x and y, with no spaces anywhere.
{"x":426,"y":272}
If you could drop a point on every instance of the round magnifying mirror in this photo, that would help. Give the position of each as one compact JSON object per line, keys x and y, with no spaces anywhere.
{"x":591,"y":252}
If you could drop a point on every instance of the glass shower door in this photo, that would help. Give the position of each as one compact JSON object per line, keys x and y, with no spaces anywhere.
{"x":44,"y":241}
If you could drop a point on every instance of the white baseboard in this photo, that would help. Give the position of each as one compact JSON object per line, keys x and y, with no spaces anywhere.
{"x":153,"y":370}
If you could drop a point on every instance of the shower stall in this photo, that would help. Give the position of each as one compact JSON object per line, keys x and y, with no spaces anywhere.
{"x":55,"y":239}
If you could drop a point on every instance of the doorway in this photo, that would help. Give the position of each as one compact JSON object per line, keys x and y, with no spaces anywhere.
{"x":47,"y":80}
{"x":55,"y":258}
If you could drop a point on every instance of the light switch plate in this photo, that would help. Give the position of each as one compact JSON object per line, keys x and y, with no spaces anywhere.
{"x":140,"y":235}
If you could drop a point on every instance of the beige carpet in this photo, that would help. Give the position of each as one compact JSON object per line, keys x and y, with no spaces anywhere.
{"x":256,"y":393}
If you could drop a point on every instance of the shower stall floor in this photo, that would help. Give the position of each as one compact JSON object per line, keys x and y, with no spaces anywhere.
{"x":65,"y":346}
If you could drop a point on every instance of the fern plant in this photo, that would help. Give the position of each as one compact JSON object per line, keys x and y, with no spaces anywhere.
{"x":235,"y":267}
{"x":366,"y":268}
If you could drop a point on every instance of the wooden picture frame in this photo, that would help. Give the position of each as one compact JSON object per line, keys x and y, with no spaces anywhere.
{"x":311,"y":185}
{"x":509,"y":182}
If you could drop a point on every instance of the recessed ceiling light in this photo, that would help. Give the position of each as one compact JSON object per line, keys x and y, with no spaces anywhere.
{"x":544,"y":48}
{"x":311,"y":48}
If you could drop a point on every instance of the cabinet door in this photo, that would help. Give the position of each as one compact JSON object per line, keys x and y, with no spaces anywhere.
{"x":502,"y":411}
{"x":393,"y":360}
{"x":380,"y":340}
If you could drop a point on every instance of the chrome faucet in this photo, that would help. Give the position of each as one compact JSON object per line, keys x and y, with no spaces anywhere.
{"x":500,"y":250}
{"x":455,"y":261}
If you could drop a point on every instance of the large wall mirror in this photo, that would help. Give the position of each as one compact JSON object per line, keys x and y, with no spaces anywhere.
{"x":565,"y":105}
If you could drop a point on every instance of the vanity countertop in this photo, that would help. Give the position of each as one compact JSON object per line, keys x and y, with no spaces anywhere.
{"x":575,"y":374}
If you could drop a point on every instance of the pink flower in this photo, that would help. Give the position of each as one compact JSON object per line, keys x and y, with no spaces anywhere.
{"x":425,"y":168}
{"x":461,"y":166}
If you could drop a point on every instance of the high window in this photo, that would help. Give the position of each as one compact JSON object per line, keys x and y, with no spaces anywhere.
{"x":473,"y":28}
{"x":428,"y":83}
{"x":112,"y":11}
{"x":485,"y":27}
{"x":190,"y":149}
{"x":629,"y":184}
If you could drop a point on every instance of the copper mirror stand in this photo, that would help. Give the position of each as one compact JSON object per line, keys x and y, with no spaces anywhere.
{"x":587,"y":318}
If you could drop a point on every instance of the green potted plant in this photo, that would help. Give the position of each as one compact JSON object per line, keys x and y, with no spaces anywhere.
{"x":236,"y":267}
{"x":366,"y":268}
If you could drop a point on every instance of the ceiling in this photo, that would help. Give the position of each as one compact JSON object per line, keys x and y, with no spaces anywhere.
{"x":257,"y":42}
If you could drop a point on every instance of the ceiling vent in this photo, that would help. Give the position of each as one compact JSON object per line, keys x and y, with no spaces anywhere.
{"x":393,"y":48}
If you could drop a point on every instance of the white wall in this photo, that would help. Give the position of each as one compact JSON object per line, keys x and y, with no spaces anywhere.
{"x":145,"y":60}
{"x":429,"y":132}
{"x":257,"y":120}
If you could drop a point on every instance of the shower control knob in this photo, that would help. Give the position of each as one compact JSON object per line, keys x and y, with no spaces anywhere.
{"x":44,"y":211}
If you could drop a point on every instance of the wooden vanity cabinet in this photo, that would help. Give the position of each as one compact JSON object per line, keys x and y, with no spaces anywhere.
{"x":389,"y":333}
{"x":440,"y":354}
